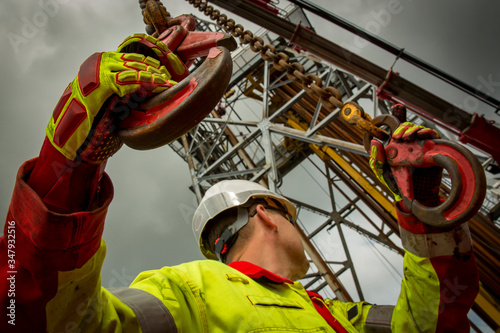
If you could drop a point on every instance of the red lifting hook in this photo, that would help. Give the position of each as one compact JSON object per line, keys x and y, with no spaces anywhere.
{"x":172,"y":113}
{"x":465,"y":170}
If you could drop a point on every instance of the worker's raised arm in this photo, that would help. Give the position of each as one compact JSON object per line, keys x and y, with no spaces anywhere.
{"x":51,"y":252}
{"x":440,"y":273}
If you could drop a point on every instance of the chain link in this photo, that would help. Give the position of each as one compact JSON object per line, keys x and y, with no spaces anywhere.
{"x":330,"y":97}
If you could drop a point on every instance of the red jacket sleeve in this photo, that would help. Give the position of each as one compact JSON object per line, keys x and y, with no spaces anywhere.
{"x":440,"y":278}
{"x":37,"y":244}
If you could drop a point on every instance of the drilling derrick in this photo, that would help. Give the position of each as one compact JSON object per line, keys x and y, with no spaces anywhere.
{"x":271,"y":129}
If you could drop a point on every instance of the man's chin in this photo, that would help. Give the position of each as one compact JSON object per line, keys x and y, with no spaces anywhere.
{"x":301,"y":271}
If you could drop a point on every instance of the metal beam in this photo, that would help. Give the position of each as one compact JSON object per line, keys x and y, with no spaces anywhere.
{"x":230,"y":152}
{"x":350,"y":262}
{"x":313,"y":281}
{"x":329,"y":276}
{"x":378,"y":238}
{"x":319,"y":139}
{"x":209,"y":153}
{"x":230,"y":174}
{"x":230,"y":122}
{"x":189,"y":158}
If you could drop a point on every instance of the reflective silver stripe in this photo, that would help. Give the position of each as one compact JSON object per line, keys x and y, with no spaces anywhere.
{"x":448,"y":243}
{"x":153,"y":315}
{"x":379,"y":319}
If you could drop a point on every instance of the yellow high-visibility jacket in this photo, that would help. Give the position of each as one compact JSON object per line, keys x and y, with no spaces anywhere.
{"x":57,"y":287}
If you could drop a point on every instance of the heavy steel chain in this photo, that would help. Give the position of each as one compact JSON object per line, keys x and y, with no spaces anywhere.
{"x":155,"y":16}
{"x":330,"y":97}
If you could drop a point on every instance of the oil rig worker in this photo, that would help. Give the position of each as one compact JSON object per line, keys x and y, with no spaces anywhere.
{"x":52,"y":250}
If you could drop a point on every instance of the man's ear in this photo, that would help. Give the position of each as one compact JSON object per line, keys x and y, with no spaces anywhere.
{"x":264,"y":216}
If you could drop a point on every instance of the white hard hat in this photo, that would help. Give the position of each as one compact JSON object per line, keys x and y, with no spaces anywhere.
{"x":228,"y":194}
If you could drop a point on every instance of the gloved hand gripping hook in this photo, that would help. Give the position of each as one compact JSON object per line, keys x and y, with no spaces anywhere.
{"x":466,"y":173}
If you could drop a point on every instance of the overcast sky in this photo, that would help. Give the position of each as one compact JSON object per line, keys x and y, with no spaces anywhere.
{"x":148,"y":225}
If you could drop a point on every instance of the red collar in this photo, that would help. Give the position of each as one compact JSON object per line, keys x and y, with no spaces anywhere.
{"x":312,"y":294}
{"x":255,"y":272}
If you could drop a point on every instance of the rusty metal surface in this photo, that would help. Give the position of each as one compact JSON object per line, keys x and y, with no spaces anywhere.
{"x":170,"y":114}
{"x":155,"y":15}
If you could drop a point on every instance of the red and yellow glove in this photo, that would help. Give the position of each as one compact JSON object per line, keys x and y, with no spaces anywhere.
{"x":80,"y":126}
{"x":381,"y":169}
{"x":150,"y":46}
{"x":426,"y":181}
{"x":80,"y":134}
{"x":409,"y":131}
